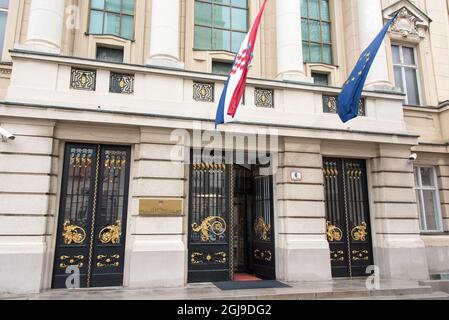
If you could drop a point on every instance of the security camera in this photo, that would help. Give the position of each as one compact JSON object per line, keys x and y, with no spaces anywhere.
{"x":6,"y":135}
{"x":413,"y":157}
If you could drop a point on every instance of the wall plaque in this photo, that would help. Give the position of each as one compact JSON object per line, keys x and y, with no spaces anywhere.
{"x":160,"y":207}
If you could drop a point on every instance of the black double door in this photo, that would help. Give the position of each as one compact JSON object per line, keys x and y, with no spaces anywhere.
{"x":231,"y":225}
{"x":92,"y":216}
{"x":348,"y":218}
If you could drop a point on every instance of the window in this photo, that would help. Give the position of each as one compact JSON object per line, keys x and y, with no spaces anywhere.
{"x":110,"y":54}
{"x":320,"y":78}
{"x":220,"y":24}
{"x":406,"y":73}
{"x":4,"y":5}
{"x":222,"y":68}
{"x":114,"y":17}
{"x":316,"y":31}
{"x":428,"y":199}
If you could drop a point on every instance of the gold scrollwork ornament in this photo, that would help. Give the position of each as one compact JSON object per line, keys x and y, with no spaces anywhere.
{"x":210,"y":228}
{"x":73,"y":233}
{"x":359,"y":233}
{"x":112,"y":233}
{"x":262,"y":229}
{"x":333,"y":232}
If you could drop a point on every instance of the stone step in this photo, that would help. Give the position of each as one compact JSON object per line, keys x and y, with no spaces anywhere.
{"x":426,"y":296}
{"x":329,"y":295}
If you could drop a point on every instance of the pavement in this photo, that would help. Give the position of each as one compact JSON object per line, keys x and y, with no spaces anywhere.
{"x":354,"y":289}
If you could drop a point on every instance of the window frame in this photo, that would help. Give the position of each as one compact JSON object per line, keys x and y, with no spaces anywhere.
{"x":330,"y":44}
{"x":420,"y":202}
{"x":212,"y":27}
{"x":104,"y":11}
{"x":404,"y":66}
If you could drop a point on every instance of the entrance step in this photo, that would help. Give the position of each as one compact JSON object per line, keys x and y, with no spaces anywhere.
{"x":426,"y":296}
{"x":411,"y":293}
{"x":437,"y":285}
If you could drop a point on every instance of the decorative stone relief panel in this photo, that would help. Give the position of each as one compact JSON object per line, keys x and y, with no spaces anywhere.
{"x":83,"y":79}
{"x":264,"y":98}
{"x":203,"y":92}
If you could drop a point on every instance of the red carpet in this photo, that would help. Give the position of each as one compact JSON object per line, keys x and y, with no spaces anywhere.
{"x":243,"y":277}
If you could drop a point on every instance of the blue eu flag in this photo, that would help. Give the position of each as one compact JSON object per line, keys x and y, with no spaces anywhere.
{"x":349,"y":98}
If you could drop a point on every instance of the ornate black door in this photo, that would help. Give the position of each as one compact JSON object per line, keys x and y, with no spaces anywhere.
{"x":209,"y":234}
{"x":348,"y":218}
{"x":262,"y":249}
{"x":92,"y":215}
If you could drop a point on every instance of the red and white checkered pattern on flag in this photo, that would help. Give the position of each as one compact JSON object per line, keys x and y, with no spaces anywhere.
{"x":235,"y":85}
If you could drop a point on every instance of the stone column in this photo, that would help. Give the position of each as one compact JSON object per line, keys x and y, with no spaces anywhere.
{"x":399,"y":250}
{"x":45,"y":26}
{"x":290,"y":59}
{"x":303,"y":248}
{"x":165,"y":37}
{"x":370,"y":24}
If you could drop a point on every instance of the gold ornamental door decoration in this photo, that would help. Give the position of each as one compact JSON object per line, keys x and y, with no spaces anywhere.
{"x":111,"y":234}
{"x":262,"y":229}
{"x":359,"y":233}
{"x":333,"y":232}
{"x":211,"y":229}
{"x":73,"y":234}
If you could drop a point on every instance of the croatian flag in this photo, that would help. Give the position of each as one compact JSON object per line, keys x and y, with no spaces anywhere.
{"x":235,"y":85}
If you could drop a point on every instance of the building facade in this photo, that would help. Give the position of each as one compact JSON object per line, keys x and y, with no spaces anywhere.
{"x":111,"y":102}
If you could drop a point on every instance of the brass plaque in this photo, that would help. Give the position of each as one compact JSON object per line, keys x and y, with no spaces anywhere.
{"x":160,"y":207}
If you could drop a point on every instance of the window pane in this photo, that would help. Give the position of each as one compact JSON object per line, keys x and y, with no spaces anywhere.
{"x":305,"y":30}
{"x":327,"y":54}
{"x":203,"y":13}
{"x":326,"y":32}
{"x":221,"y":40}
{"x":97,"y":4}
{"x":304,"y":8}
{"x":128,"y":7}
{"x":227,"y":2}
{"x":398,"y":78}
{"x":305,"y":52}
{"x":314,"y":9}
{"x":422,"y":217}
{"x":315,"y":31}
{"x":239,"y":21}
{"x":409,"y":55}
{"x":223,"y":68}
{"x":222,"y":17}
{"x":96,"y":22}
{"x":416,"y":172}
{"x":3,"y":18}
{"x":4,"y":4}
{"x":203,"y":38}
{"x":112,"y":24}
{"x":240,"y":3}
{"x":320,"y":78}
{"x":109,"y":54}
{"x":431,"y":210}
{"x":324,"y":8}
{"x":315,"y":52}
{"x":237,"y":40}
{"x":127,"y":29}
{"x":113,"y":5}
{"x":396,"y":54}
{"x":427,"y":177}
{"x":412,"y":86}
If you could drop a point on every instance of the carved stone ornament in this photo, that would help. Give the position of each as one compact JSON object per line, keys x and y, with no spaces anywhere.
{"x":405,"y":24}
{"x":412,"y":22}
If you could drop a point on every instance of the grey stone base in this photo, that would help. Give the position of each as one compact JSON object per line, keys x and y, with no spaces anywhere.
{"x":402,"y":263}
